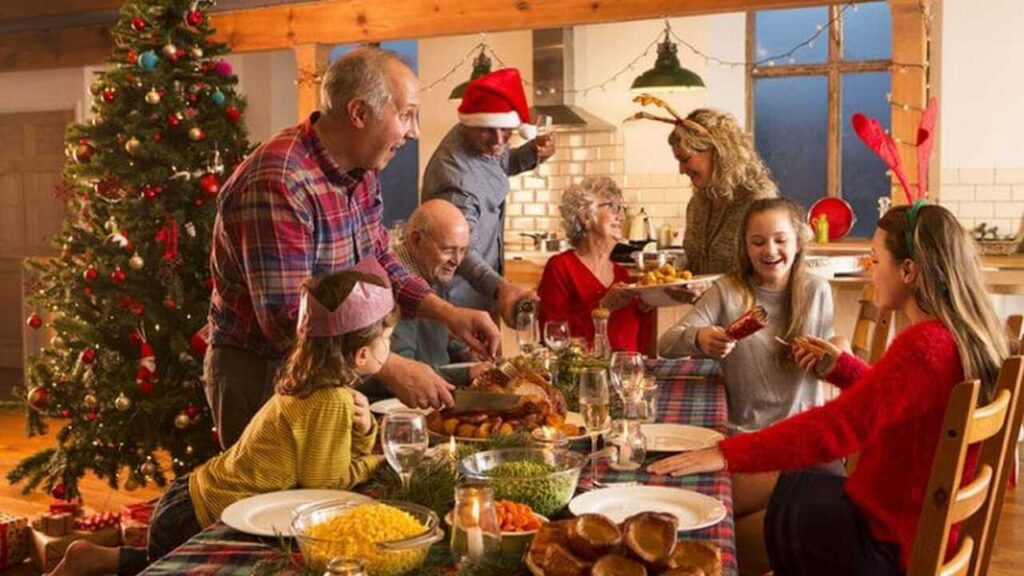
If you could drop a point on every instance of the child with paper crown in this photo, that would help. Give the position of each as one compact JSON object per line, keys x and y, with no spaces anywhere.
{"x":315,"y":432}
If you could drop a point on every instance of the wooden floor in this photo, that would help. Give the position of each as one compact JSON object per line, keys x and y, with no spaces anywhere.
{"x":1008,"y":558}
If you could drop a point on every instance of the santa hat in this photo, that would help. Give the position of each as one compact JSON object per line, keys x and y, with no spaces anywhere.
{"x":497,"y":100}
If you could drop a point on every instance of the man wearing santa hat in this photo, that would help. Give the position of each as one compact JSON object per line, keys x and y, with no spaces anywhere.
{"x":470,"y":169}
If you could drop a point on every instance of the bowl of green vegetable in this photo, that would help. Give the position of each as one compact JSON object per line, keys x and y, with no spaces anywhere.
{"x":543,"y":478}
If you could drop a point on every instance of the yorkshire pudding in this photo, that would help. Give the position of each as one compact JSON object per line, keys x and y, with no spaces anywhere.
{"x":591,"y":535}
{"x":616,"y":565}
{"x":651,"y":536}
{"x":703,"y":556}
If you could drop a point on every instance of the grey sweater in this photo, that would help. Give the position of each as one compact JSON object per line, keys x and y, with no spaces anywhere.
{"x":760,"y":391}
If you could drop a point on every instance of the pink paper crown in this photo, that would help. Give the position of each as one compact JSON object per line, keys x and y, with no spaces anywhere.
{"x":366,"y":304}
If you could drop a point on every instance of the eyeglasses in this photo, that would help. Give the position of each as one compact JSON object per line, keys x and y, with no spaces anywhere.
{"x":615,"y":206}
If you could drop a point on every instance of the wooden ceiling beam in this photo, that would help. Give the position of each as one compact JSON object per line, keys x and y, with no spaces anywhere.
{"x":338,"y":22}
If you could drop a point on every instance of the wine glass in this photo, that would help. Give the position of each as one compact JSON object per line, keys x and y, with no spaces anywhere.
{"x":556,"y":336}
{"x":627,"y":372}
{"x":594,"y":397}
{"x":527,"y":334}
{"x":404,"y":441}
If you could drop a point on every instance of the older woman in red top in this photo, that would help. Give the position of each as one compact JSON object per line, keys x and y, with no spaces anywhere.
{"x":579,"y":280}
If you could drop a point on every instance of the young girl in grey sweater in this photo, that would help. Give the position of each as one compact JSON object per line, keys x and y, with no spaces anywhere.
{"x":764,"y":383}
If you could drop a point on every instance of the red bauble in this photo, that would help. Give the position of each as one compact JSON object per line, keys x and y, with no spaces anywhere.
{"x":170,"y":304}
{"x":87,"y":291}
{"x":34,"y":321}
{"x":209,"y":283}
{"x":65,"y":413}
{"x":233,"y":114}
{"x":150,"y":192}
{"x":138,"y":24}
{"x":38,"y":398}
{"x":191,"y":411}
{"x":118,"y":276}
{"x":88,"y":356}
{"x":83,"y":152}
{"x":137,"y":308}
{"x":209,"y":184}
{"x":157,"y":137}
{"x":194,"y":17}
{"x":146,"y":387}
{"x":90,"y":274}
{"x":58,"y":492}
{"x":198,"y":201}
{"x":108,"y":95}
{"x":173,"y":120}
{"x":91,"y":416}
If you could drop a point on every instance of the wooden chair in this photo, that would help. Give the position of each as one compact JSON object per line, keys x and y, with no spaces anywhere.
{"x":873,"y":329}
{"x":977,"y":504}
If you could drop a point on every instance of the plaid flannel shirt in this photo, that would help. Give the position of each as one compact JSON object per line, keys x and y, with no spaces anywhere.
{"x":290,"y":212}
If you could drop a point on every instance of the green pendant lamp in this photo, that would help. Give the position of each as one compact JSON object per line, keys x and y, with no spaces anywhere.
{"x":667,"y":75}
{"x":481,"y":66}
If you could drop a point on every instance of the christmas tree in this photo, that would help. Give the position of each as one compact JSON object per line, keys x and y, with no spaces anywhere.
{"x":127,"y":299}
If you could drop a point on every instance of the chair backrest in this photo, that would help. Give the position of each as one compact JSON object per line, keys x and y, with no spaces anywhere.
{"x":1015,"y":327}
{"x":976,"y":504}
{"x":873,"y":329}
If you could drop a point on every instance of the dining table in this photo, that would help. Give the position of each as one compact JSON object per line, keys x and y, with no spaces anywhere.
{"x":690,"y":392}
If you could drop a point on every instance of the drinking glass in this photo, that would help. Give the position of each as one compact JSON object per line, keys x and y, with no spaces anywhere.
{"x":556,"y":336}
{"x":630,"y":444}
{"x":404,"y":440}
{"x":527,"y":333}
{"x":627,"y":372}
{"x":594,"y":397}
{"x":544,"y":124}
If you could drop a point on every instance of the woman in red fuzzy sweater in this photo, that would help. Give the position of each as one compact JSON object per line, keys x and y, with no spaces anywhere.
{"x":925,"y":266}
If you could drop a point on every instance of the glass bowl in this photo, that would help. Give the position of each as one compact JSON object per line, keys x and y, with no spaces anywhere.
{"x":355,"y":538}
{"x":547,"y":493}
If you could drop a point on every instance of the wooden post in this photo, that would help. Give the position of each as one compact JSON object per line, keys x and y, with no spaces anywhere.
{"x":310,"y":63}
{"x":909,"y":84}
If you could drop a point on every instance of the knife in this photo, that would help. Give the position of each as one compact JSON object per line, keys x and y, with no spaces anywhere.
{"x":477,"y":401}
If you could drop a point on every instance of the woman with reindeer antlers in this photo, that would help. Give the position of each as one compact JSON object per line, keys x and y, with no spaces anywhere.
{"x":727,"y":176}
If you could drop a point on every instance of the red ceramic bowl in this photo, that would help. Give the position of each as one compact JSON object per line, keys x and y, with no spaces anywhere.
{"x":839,"y":213}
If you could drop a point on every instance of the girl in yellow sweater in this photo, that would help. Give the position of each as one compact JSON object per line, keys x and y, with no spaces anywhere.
{"x":316,"y":432}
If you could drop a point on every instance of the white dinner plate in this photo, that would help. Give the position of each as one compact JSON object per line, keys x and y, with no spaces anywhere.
{"x":694,"y":510}
{"x":270,"y":514}
{"x":389,"y":405}
{"x":655,"y":294}
{"x":678,"y":437}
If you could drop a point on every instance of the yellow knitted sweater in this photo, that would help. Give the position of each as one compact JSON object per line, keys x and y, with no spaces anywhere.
{"x":291,"y":443}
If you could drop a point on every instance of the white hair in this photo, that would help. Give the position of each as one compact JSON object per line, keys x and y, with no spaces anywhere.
{"x":579,"y":205}
{"x":362,"y":74}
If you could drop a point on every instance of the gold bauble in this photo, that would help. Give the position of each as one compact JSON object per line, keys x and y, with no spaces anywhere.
{"x":170,"y":50}
{"x":122,"y":402}
{"x":136,"y":262}
{"x":132,"y":146}
{"x":181,"y":420}
{"x":152,"y":97}
{"x":90,"y":401}
{"x":148,"y":469}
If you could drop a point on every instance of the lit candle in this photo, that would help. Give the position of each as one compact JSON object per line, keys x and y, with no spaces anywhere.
{"x":475,"y":534}
{"x":453,"y":449}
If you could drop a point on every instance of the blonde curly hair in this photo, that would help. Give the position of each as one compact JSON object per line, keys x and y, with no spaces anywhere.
{"x":579,"y":205}
{"x":737,"y":165}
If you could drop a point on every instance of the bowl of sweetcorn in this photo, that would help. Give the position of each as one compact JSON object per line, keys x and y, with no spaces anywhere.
{"x":389,"y":538}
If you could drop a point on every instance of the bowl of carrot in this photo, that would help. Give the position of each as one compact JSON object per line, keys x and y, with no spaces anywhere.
{"x":518,"y":524}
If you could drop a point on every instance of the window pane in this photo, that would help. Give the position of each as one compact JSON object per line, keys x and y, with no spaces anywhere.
{"x":778,"y":31}
{"x":864,"y":179}
{"x":791,"y":134}
{"x":867,"y":32}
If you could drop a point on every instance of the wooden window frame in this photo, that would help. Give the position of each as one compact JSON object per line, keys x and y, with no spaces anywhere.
{"x":832,"y":69}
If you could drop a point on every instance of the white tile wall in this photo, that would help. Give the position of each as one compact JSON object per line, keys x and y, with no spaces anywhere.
{"x":533,"y":204}
{"x":994,"y":196}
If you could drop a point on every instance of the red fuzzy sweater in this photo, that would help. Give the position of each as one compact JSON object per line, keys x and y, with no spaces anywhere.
{"x":891,"y":412}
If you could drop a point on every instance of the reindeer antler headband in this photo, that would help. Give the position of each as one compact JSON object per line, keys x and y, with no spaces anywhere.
{"x":676,"y":119}
{"x":875,"y":138}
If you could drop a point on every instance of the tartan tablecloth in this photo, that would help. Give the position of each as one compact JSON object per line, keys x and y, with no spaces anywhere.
{"x":689,"y":393}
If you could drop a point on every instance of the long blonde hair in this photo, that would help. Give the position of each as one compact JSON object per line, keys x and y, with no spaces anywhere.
{"x":745,"y":279}
{"x":316,"y":363}
{"x":950,"y":286}
{"x":737,"y":165}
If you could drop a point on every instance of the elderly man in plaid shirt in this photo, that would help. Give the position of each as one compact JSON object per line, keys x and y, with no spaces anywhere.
{"x":305,"y":203}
